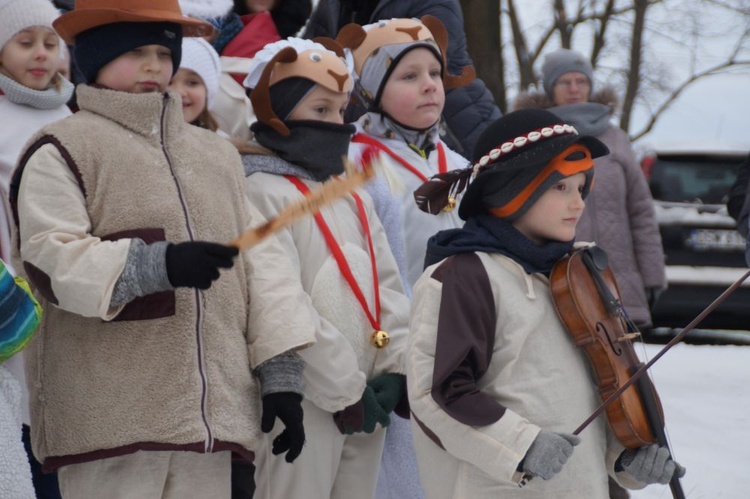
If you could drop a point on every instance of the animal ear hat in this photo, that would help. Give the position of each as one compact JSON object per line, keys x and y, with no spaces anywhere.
{"x":89,"y":14}
{"x":383,"y":43}
{"x":320,"y":60}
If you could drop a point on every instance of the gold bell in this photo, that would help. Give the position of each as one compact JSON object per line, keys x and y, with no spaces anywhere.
{"x":380,"y":339}
{"x":451,"y":204}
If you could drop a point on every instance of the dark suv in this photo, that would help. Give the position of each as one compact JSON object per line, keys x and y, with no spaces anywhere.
{"x":704,"y":251}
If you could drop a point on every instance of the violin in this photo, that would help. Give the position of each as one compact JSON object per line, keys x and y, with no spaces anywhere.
{"x":588,"y":302}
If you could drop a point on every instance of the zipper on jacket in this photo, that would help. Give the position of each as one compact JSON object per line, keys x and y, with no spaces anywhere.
{"x":198,"y":301}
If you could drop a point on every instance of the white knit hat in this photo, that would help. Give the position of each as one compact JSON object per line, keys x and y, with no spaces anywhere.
{"x":206,"y":9}
{"x":17,"y":15}
{"x":198,"y":55}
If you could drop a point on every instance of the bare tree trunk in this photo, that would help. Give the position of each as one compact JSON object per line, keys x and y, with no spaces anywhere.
{"x":561,"y":23}
{"x":484,"y":44}
{"x":634,"y":71}
{"x":600,"y":31}
{"x":525,"y":61}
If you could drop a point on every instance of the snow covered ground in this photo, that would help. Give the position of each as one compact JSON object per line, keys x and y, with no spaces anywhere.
{"x":705,"y":392}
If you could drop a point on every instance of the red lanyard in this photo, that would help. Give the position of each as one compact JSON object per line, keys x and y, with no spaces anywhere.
{"x":442,"y":164}
{"x":338,"y":255}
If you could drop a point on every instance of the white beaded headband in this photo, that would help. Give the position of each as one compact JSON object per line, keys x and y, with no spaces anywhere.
{"x":520,"y":142}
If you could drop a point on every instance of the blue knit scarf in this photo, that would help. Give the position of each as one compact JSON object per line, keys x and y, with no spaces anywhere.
{"x":228,"y":27}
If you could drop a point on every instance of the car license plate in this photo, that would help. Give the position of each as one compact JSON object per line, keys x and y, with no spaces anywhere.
{"x":715,"y":239}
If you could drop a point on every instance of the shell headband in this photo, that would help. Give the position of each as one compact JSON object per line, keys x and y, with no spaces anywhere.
{"x":520,"y":142}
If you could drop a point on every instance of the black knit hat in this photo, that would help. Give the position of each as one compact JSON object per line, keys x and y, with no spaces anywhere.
{"x":510,"y":166}
{"x":97,"y":47}
{"x":287,"y":94}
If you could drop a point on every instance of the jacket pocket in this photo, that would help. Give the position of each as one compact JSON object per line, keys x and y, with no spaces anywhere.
{"x":153,"y":306}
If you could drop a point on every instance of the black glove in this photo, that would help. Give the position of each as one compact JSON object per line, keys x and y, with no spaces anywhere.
{"x":287,"y":406}
{"x":651,"y":464}
{"x":196,"y":264}
{"x":351,"y":418}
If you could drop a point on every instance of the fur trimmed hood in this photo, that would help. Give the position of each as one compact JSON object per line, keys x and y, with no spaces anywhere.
{"x":539,"y":100}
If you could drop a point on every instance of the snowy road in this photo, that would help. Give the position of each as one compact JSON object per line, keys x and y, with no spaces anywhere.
{"x":705,"y":392}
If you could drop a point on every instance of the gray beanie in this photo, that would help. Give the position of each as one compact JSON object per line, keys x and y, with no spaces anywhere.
{"x":563,"y":61}
{"x":17,"y":15}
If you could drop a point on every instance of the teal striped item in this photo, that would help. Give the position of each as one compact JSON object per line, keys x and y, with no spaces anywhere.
{"x":20,"y":314}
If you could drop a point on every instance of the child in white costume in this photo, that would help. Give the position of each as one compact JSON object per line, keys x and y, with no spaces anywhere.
{"x":32,"y":93}
{"x":401,"y":77}
{"x":400,"y":70}
{"x":299,"y":91}
{"x":495,"y":380}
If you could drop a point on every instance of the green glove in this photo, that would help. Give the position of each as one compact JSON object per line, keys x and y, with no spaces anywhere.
{"x":362,"y":416}
{"x":374,"y":412}
{"x":388,"y":389}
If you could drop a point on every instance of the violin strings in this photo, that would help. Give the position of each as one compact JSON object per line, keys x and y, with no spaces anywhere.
{"x":643,"y":357}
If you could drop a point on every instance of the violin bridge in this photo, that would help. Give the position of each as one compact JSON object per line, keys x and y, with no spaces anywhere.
{"x":628,"y":337}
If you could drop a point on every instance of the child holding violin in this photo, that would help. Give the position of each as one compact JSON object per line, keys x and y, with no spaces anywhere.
{"x":495,"y":382}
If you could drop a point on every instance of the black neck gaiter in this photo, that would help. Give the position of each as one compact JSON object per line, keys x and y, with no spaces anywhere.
{"x":316,"y":146}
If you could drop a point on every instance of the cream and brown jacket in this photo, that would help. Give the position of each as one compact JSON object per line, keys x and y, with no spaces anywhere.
{"x":489,"y":365}
{"x":171,"y":370}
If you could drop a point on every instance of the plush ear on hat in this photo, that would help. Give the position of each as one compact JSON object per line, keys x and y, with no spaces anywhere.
{"x":260,"y":97}
{"x":330,"y":44}
{"x":440,"y":34}
{"x":351,"y":36}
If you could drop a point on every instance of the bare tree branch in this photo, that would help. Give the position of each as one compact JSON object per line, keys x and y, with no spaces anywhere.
{"x":677,"y":91}
{"x":600,"y":31}
{"x":525,"y":65}
{"x":579,"y":19}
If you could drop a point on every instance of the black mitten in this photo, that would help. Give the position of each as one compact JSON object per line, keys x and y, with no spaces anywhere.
{"x":362,"y":416}
{"x":196,"y":264}
{"x":287,"y":406}
{"x":351,"y":418}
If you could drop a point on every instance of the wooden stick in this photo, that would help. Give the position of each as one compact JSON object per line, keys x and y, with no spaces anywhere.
{"x":311,"y":204}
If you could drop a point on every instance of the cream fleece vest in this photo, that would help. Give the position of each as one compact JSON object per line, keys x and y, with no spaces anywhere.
{"x":175,"y":374}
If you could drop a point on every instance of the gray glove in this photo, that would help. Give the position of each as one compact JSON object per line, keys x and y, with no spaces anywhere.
{"x":548,"y":452}
{"x":651,"y":464}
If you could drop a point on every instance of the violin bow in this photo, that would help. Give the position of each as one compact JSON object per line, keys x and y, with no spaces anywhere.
{"x":312,"y":203}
